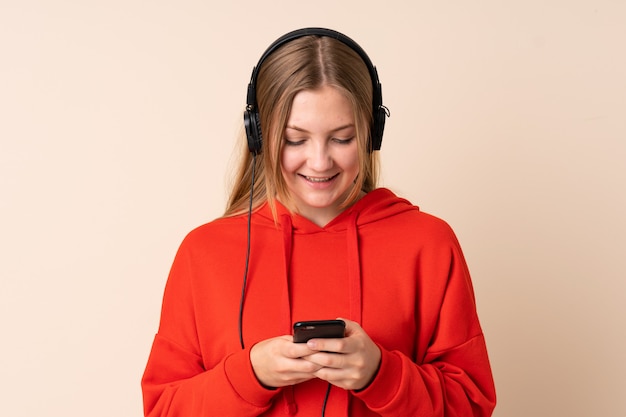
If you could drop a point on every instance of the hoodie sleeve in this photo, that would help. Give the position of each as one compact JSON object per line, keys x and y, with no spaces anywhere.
{"x":451,"y":376}
{"x":176,"y":381}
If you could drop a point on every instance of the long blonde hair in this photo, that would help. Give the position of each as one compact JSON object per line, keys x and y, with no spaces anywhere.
{"x":306,"y":63}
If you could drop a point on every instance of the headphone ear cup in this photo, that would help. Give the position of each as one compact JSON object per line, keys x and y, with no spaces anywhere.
{"x":253,"y":131}
{"x":378,"y":127}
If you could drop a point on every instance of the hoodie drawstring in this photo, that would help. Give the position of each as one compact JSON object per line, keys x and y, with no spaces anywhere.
{"x":286,"y":296}
{"x":354,"y":269}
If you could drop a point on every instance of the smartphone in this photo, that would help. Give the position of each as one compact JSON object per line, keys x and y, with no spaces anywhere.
{"x":328,"y":329}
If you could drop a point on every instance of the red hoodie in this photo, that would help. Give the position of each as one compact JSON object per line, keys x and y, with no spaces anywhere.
{"x":398,"y":272}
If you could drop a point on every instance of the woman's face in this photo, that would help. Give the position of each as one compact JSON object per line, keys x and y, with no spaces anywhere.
{"x":320,"y":158}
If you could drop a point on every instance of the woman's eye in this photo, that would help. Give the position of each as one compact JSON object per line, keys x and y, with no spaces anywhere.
{"x":293,"y":142}
{"x":343,"y":141}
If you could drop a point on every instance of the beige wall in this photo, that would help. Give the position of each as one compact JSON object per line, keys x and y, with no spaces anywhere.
{"x":117,"y":122}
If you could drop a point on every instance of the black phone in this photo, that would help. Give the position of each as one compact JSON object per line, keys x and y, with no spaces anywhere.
{"x":327,"y":329}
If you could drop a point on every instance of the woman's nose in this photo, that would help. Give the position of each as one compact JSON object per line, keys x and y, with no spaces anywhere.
{"x":319,"y":157}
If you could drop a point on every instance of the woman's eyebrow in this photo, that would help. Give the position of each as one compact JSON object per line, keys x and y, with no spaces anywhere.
{"x":337,"y":129}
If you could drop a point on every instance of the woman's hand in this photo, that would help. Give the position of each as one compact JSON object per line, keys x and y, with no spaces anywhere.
{"x":352,"y":362}
{"x":279,"y":362}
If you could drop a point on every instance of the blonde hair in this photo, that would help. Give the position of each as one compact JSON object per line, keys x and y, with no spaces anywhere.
{"x":306,"y":63}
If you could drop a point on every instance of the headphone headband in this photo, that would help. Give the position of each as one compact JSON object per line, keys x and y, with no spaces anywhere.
{"x":251,"y":116}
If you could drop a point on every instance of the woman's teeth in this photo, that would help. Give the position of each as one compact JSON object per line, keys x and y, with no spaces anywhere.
{"x":318,"y":179}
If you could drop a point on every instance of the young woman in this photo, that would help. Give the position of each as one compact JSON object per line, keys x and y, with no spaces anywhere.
{"x":308,"y":236}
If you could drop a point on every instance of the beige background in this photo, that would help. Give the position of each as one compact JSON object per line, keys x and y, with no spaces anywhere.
{"x":117,"y":125}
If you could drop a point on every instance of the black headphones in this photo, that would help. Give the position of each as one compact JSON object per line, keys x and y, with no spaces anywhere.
{"x":251,"y":118}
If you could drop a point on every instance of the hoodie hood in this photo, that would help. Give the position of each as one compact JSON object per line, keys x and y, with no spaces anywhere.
{"x":376,"y":205}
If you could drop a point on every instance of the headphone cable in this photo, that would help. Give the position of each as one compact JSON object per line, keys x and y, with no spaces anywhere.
{"x":326,"y":400}
{"x":245,"y":274}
